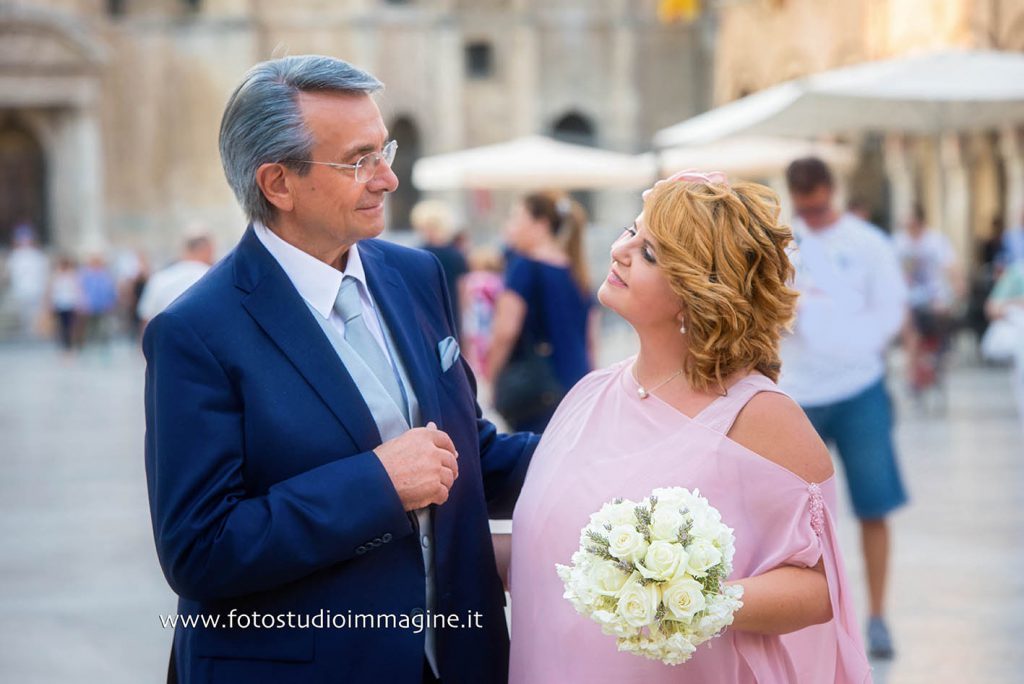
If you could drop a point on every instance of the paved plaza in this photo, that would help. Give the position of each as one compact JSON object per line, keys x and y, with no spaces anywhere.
{"x":81,"y":592}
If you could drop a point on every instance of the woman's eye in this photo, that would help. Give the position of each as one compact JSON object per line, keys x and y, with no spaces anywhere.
{"x":649,"y":255}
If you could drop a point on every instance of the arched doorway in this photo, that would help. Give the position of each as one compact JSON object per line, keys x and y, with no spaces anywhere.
{"x":577,"y":129}
{"x":574,"y":128}
{"x":22,"y":181}
{"x":405,"y":131}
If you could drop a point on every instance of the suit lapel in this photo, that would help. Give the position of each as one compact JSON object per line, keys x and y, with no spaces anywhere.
{"x":278,"y":308}
{"x":404,"y":320}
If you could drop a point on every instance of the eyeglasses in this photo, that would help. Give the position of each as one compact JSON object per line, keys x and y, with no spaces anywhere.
{"x":366,"y":166}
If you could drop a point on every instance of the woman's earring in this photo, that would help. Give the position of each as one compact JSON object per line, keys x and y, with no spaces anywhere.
{"x":682,"y":327}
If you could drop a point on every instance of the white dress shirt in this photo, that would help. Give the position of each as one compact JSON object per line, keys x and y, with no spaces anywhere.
{"x":318,"y":284}
{"x":852,"y":304}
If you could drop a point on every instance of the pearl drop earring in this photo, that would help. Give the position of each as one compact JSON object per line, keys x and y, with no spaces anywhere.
{"x":682,"y":327}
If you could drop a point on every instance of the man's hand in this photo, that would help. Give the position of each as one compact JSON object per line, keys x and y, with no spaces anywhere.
{"x":422,"y":465}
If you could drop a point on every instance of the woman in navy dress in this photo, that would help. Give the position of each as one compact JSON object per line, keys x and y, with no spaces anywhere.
{"x":547,"y":302}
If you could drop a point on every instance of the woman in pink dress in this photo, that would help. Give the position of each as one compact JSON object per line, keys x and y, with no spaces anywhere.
{"x":702,"y":278}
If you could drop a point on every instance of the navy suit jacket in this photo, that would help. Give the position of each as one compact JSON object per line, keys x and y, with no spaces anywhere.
{"x":266,"y":495}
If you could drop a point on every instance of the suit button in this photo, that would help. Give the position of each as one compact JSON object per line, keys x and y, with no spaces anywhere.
{"x":425,"y":540}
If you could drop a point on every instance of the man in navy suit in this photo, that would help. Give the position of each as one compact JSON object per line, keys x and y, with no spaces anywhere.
{"x":319,"y":471}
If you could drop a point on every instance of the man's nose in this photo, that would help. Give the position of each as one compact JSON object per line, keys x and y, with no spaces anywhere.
{"x":384,"y":180}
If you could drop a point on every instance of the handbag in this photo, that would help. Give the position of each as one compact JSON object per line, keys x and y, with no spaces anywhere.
{"x":1004,"y":338}
{"x":527,"y":387}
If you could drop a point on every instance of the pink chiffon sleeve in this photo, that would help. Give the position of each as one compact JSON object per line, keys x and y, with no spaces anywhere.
{"x":833,"y":651}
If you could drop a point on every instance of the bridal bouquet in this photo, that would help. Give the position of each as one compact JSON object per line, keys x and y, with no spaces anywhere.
{"x":652,"y":573}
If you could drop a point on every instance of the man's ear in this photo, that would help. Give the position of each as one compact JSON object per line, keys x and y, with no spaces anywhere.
{"x":273,"y":182}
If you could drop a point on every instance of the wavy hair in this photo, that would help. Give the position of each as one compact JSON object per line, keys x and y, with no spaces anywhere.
{"x":724,"y":253}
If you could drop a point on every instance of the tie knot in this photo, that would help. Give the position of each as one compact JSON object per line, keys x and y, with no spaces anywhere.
{"x":348,"y":304}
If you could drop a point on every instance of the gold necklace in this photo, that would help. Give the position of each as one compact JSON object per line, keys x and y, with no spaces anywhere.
{"x":643,"y":392}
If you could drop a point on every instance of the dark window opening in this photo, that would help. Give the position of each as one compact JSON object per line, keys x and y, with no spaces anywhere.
{"x":479,"y":60}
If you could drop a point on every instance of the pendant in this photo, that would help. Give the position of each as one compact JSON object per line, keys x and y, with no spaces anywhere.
{"x":642,"y":393}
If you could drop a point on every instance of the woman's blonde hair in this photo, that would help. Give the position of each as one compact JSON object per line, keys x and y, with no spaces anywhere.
{"x":724,"y":252}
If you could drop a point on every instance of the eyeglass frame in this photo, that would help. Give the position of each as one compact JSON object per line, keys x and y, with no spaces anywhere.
{"x":383,"y":157}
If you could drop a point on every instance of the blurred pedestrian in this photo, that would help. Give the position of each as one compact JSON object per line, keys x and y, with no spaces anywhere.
{"x":29,"y":271}
{"x":852,"y":305}
{"x":935,"y":284}
{"x":66,"y":298}
{"x":1013,"y":243}
{"x":480,"y":290}
{"x":432,"y":220}
{"x":99,"y":300}
{"x":543,"y":322}
{"x":1005,"y":307}
{"x":131,"y":289}
{"x":170,"y":283}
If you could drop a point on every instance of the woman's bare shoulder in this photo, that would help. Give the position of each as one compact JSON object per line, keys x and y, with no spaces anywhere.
{"x":775,"y":427}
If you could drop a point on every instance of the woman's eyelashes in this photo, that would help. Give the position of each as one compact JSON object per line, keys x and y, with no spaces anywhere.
{"x":631,"y":232}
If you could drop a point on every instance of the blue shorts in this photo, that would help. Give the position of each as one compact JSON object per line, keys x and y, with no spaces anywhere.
{"x":860,"y":428}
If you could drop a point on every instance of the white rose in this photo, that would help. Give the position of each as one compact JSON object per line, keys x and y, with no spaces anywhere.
{"x":662,"y":560}
{"x":702,"y":557}
{"x":614,"y":514}
{"x":683,"y":598}
{"x":606,"y":578}
{"x":665,"y":522}
{"x":674,"y":498}
{"x":625,"y":543}
{"x":638,"y":604}
{"x":707,"y":523}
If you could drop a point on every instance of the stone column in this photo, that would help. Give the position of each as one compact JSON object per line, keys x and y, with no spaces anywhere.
{"x":524,"y":76}
{"x":901,"y":178}
{"x":956,"y":216}
{"x":85,"y":131}
{"x":623,"y":100}
{"x":1013,"y":164}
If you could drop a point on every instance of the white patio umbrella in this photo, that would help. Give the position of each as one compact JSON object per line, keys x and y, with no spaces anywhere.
{"x":930,"y":93}
{"x":534,"y":162}
{"x":753,"y":156}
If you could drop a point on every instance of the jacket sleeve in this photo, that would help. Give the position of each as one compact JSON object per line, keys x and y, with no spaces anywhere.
{"x":504,"y":458}
{"x":215,"y":539}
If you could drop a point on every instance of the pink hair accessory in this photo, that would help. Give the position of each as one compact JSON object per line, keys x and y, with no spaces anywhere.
{"x":693,"y":176}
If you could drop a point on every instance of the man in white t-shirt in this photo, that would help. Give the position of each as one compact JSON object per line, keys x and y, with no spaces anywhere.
{"x":170,"y":283}
{"x":852,"y":304}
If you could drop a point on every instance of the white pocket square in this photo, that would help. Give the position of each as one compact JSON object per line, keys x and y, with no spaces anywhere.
{"x":448,"y":351}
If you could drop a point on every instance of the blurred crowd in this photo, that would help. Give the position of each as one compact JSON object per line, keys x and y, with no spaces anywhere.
{"x":86,"y":302}
{"x":528,"y":297}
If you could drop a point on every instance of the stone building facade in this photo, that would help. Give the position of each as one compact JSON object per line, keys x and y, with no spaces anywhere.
{"x":965,"y":181}
{"x":109,"y":109}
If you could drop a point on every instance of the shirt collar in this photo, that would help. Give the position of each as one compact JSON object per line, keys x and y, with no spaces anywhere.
{"x":318,"y":283}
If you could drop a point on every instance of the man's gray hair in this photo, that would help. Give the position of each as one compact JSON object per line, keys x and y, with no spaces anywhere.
{"x":262,"y":123}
